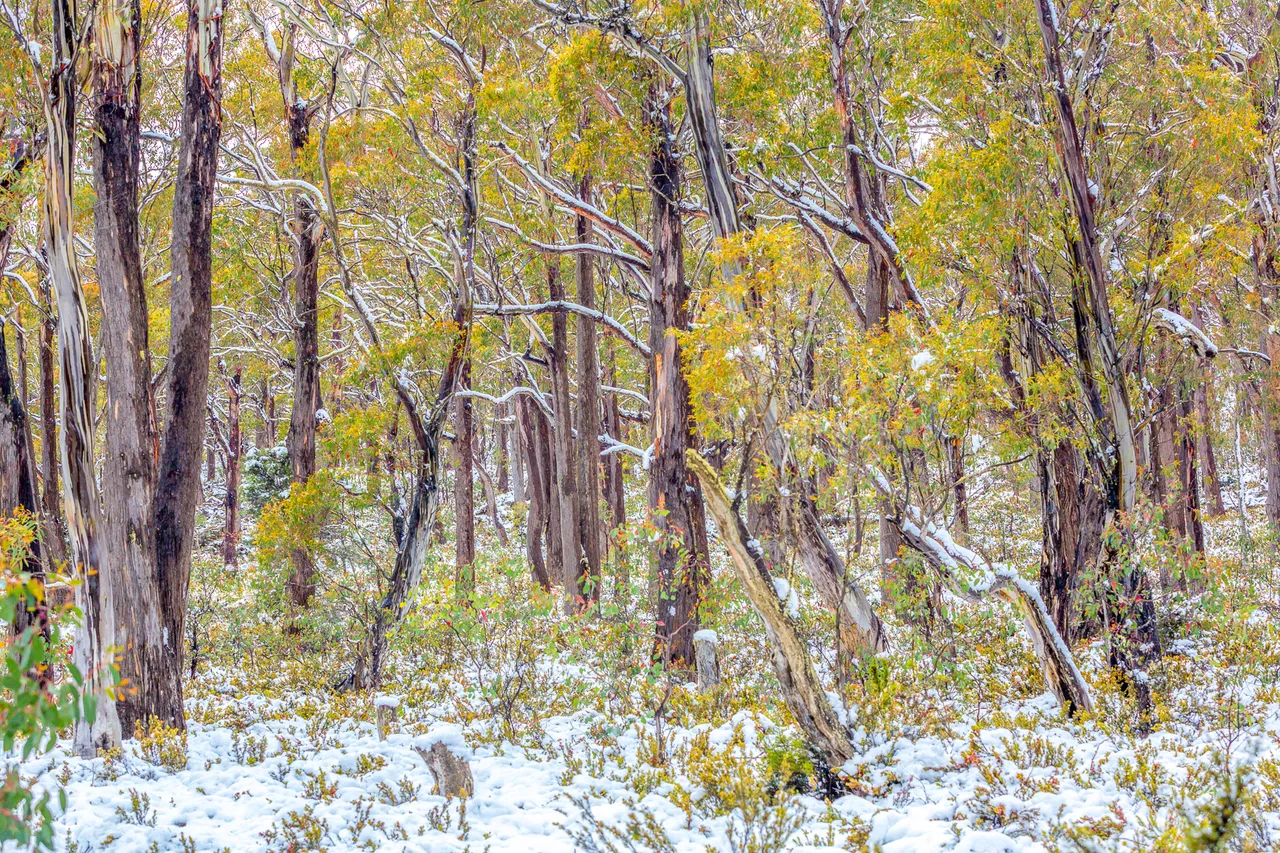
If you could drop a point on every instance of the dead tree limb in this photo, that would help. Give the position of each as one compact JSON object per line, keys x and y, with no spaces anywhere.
{"x":801,"y":689}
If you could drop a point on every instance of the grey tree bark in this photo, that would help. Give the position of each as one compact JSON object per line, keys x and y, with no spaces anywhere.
{"x":190,"y":326}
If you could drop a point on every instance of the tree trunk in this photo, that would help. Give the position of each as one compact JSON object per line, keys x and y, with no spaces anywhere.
{"x":190,"y":319}
{"x":306,"y":361}
{"x":1132,"y":613}
{"x":490,"y":493}
{"x":308,"y":231}
{"x":675,"y":496}
{"x":801,"y":689}
{"x":567,"y":515}
{"x":859,"y":631}
{"x":588,"y":420}
{"x":1072,"y":512}
{"x":505,"y":463}
{"x":129,"y":469}
{"x":614,"y":486}
{"x":528,"y":418}
{"x":17,"y":461}
{"x":464,"y":490}
{"x":18,"y":482}
{"x":55,"y":537}
{"x":1211,"y":485}
{"x":96,"y":634}
{"x":231,"y":505}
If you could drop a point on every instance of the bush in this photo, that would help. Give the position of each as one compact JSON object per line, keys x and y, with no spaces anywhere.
{"x":32,"y":710}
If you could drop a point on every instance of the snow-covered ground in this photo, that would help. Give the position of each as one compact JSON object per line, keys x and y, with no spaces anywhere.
{"x":289,"y":783}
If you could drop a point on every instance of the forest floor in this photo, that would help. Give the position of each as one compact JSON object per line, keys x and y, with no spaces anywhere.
{"x":577,"y":743}
{"x":300,"y":772}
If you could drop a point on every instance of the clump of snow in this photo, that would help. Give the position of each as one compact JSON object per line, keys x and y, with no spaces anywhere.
{"x":451,"y":736}
{"x":788,"y":595}
{"x":386,"y":700}
{"x":921,"y":359}
{"x":706,"y":635}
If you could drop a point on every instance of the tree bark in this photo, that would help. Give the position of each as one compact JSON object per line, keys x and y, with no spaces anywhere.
{"x":528,"y":418}
{"x":566,"y":512}
{"x":614,"y":487}
{"x":190,"y":324}
{"x":464,"y":490}
{"x":129,"y":469}
{"x":231,"y":504}
{"x":588,"y":420}
{"x":308,"y":231}
{"x":801,"y":689}
{"x":859,"y":631}
{"x":96,"y":634}
{"x":55,"y":537}
{"x":1132,"y":612}
{"x":18,"y":482}
{"x":675,"y":495}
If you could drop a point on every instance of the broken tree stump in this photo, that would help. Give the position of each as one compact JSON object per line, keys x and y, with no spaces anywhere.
{"x":451,"y":771}
{"x":704,"y":655}
{"x":385,"y":708}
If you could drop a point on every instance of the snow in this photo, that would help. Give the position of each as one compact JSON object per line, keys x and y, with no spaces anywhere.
{"x":914,"y":794}
{"x":383,"y":700}
{"x":1185,"y":329}
{"x":788,"y":595}
{"x":450,"y":735}
{"x":706,"y":635}
{"x":921,"y":359}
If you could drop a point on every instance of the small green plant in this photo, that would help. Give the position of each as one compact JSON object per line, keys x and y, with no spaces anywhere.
{"x":139,"y":812}
{"x":163,"y":745}
{"x":299,"y":832}
{"x":641,"y":832}
{"x":248,"y":749}
{"x":317,"y":786}
{"x":404,"y":792}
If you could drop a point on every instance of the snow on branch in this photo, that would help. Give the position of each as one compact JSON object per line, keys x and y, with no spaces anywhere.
{"x":945,"y":555}
{"x":510,"y":395}
{"x":577,"y":205}
{"x":612,"y":446}
{"x":573,"y":248}
{"x":572,"y":308}
{"x":1191,"y":335}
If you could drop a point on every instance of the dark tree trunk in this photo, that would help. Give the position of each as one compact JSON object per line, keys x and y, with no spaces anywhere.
{"x":17,"y":462}
{"x":55,"y":537}
{"x":464,"y":490}
{"x":306,"y":362}
{"x":308,"y":231}
{"x":18,"y":480}
{"x":528,"y":419}
{"x":959,"y":488}
{"x":1131,"y":612}
{"x":614,"y":492}
{"x":1072,"y":513}
{"x":588,"y":420}
{"x":566,"y":510}
{"x":190,"y":318}
{"x":1210,"y":482}
{"x":551,"y":526}
{"x":129,"y":468}
{"x":675,"y":495}
{"x":231,"y":504}
{"x":505,"y":450}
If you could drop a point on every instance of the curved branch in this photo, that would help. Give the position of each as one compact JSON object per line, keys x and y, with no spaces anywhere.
{"x":572,"y":308}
